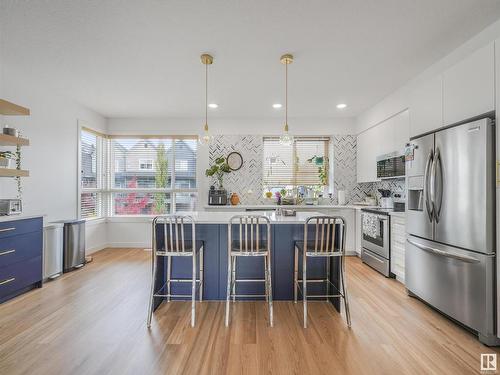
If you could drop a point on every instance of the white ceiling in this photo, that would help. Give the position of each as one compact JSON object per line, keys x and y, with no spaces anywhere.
{"x":141,"y":58}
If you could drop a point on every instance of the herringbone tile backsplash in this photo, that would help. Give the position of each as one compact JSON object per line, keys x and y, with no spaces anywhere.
{"x":247,"y":182}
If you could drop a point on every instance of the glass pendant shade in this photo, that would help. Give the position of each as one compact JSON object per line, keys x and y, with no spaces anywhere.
{"x":206,"y":137}
{"x":286,"y":139}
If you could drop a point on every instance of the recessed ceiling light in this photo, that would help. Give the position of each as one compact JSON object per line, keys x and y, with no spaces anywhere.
{"x":277,"y":105}
{"x":213,"y":105}
{"x":341,"y":106}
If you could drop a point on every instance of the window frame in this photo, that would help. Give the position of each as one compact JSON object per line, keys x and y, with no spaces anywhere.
{"x":106,"y":173}
{"x":328,"y":152}
{"x":100,"y":173}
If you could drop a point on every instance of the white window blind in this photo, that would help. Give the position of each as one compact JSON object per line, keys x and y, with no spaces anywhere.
{"x":148,"y":179}
{"x":91,"y":182}
{"x":305,"y":163}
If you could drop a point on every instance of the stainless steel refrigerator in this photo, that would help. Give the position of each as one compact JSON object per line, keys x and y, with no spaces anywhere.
{"x":450,"y":249}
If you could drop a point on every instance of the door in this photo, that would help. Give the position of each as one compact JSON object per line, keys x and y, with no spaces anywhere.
{"x":426,"y":106}
{"x":457,"y":282}
{"x":464,"y":186}
{"x":469,"y":86}
{"x":419,"y":207}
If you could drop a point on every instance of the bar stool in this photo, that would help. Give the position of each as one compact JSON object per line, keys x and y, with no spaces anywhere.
{"x":323,"y":246}
{"x":169,"y":241}
{"x":251,"y":242}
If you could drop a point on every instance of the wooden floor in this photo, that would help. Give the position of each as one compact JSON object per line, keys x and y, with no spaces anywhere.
{"x":93,"y":321}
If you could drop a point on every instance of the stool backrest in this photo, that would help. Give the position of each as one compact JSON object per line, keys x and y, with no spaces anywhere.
{"x":171,"y":228}
{"x":320,"y":232}
{"x":252,"y":232}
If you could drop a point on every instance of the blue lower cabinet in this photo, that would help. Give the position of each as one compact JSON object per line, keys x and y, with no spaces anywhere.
{"x":214,"y":237}
{"x":21,"y":256}
{"x":17,"y":248}
{"x":20,"y":277}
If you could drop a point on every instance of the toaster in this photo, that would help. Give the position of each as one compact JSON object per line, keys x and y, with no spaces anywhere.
{"x":11,"y":207}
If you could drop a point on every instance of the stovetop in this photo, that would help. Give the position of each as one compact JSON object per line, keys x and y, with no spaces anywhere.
{"x":382,"y":211}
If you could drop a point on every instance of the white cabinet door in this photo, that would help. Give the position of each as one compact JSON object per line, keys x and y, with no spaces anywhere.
{"x":358,"y":232}
{"x":426,"y":106}
{"x":388,"y":136}
{"x":469,"y":86}
{"x":367,"y":148}
{"x":398,"y":241}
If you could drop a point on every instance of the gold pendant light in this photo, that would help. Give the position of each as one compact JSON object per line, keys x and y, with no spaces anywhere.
{"x":206,"y":138}
{"x":286,"y":138}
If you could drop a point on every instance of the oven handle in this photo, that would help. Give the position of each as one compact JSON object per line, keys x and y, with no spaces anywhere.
{"x":438,"y":252}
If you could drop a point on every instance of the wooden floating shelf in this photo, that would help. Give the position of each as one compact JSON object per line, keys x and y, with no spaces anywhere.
{"x":10,"y":109}
{"x":9,"y":140}
{"x":7,"y":172}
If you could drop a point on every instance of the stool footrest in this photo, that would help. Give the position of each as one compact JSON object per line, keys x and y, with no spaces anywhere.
{"x":250,"y":280}
{"x":248,"y":295}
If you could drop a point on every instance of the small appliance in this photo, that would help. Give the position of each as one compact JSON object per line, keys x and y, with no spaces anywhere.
{"x":217,"y":197}
{"x":11,"y":207}
{"x":386,"y":201}
{"x":391,"y":165}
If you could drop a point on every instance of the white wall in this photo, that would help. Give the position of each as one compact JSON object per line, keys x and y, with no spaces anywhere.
{"x":51,"y":158}
{"x":399,"y":100}
{"x":135,"y":232}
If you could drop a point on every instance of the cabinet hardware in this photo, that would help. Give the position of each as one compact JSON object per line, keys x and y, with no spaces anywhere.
{"x":7,"y":229}
{"x":7,"y":281}
{"x":7,"y":252}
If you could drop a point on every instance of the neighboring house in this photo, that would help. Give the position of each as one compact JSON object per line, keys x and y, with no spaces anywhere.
{"x":89,"y":172}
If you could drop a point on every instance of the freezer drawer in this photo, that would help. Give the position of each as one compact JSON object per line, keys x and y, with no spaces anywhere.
{"x":459,"y":283}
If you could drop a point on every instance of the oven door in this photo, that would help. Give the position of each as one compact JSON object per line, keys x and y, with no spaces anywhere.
{"x":375,"y":233}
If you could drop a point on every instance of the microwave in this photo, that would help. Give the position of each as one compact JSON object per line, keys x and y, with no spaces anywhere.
{"x":391,"y":165}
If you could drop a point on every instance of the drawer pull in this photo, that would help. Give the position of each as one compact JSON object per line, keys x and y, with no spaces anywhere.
{"x":7,"y":281}
{"x":7,"y":252}
{"x":7,"y":229}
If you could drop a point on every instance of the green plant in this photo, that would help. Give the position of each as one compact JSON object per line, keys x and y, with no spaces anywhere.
{"x":161,"y":166}
{"x":218,"y":170}
{"x":322,"y":162}
{"x":8,"y":154}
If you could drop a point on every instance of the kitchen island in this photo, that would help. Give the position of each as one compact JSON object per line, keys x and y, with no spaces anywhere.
{"x":212,"y":229}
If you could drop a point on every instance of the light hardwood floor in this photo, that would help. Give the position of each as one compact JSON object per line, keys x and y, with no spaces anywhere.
{"x":93,"y":321}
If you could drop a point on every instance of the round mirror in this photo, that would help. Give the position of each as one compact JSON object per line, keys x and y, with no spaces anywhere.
{"x":234,"y":160}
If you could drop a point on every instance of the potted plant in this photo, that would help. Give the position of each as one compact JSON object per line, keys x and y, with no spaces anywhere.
{"x":7,"y":159}
{"x":218,"y":170}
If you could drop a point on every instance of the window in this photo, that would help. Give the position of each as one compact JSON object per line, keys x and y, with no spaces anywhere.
{"x":146,"y":164}
{"x":91,"y":181}
{"x":158,"y":175}
{"x":181,"y":165}
{"x":136,"y":175}
{"x":305,"y":164}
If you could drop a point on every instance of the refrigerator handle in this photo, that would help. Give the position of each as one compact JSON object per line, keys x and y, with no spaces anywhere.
{"x":437,"y":186}
{"x":427,"y":190}
{"x":433,"y":250}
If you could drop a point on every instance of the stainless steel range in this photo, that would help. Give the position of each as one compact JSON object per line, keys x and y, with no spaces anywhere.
{"x":376,"y":239}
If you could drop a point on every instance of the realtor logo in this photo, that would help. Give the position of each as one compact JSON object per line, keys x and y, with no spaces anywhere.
{"x":488,"y":362}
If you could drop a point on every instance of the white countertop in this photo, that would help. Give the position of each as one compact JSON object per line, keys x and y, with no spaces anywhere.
{"x":223,"y":217}
{"x":243,"y":207}
{"x":18,"y":217}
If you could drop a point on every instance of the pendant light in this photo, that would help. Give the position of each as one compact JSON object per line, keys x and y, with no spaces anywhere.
{"x":206,"y":138}
{"x":286,"y":139}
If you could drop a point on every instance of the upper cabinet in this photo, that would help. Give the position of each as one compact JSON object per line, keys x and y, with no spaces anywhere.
{"x":469,"y":86}
{"x":388,"y":136}
{"x":426,"y":106}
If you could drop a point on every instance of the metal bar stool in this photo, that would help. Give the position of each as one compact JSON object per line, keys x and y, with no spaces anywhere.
{"x":170,"y":230}
{"x":323,"y":245}
{"x":251,"y":242}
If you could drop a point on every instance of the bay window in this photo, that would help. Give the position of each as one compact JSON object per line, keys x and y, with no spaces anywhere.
{"x":144,"y":175}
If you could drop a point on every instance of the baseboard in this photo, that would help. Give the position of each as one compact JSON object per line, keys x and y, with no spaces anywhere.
{"x":140,"y":245}
{"x":95,"y":249}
